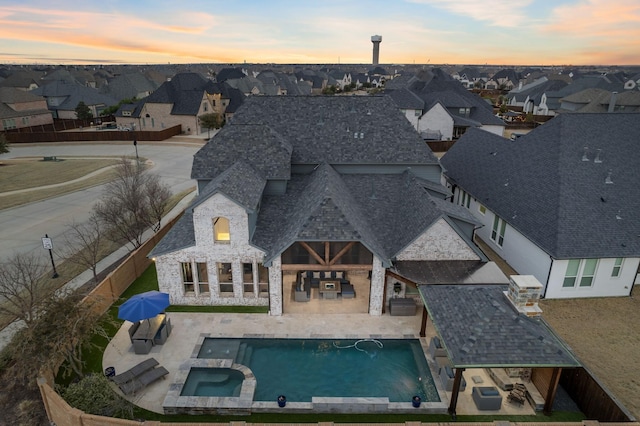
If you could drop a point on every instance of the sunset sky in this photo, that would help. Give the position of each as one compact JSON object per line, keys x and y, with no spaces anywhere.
{"x":501,"y":32}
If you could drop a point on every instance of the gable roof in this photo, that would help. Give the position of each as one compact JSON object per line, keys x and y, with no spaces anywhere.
{"x":543,"y":188}
{"x":240,"y":183}
{"x":185,"y":91}
{"x":257,"y":144}
{"x":317,"y":207}
{"x":435,"y":85}
{"x":406,"y":99}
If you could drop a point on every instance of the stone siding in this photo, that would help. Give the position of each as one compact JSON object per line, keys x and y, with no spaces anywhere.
{"x":439,"y":242}
{"x":376,"y":296}
{"x":236,"y":252}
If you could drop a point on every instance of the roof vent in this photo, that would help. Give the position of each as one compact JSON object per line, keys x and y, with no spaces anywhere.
{"x":618,"y":217}
{"x":598,"y":160}
{"x":584,"y":155}
{"x":608,"y":178}
{"x":361,"y":135}
{"x":373,"y":192}
{"x":368,"y":112}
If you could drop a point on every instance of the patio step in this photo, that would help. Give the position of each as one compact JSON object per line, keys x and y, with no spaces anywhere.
{"x":247,"y":356}
{"x":240,"y":355}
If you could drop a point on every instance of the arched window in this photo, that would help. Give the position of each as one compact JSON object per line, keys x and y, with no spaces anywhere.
{"x":221,"y":233}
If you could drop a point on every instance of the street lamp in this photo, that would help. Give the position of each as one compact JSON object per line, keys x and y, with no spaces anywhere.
{"x":135,"y":143}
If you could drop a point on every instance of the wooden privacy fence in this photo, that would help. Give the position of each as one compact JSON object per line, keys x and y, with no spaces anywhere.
{"x":61,"y":413}
{"x":112,"y":287}
{"x":94,"y":135}
{"x":595,"y":401}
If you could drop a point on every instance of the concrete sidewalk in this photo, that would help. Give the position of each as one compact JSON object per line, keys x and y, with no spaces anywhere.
{"x":8,"y":332}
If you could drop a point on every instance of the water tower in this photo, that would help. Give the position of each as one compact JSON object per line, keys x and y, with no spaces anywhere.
{"x":376,"y":40}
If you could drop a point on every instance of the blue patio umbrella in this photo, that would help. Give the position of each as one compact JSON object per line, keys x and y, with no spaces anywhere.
{"x":143,"y":306}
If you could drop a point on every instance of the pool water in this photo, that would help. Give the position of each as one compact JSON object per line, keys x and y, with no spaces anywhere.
{"x":213,"y":382}
{"x":306,"y":368}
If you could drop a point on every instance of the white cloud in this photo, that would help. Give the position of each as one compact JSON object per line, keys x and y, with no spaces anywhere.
{"x":501,"y":13}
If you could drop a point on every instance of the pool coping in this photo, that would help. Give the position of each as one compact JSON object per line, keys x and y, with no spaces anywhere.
{"x":175,"y":403}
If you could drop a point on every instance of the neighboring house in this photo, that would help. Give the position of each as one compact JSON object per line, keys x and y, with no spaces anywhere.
{"x":318,"y":80}
{"x":505,"y":79}
{"x":22,"y":80}
{"x":179,"y":101}
{"x":129,"y":86}
{"x":247,"y":85}
{"x":324,"y":184}
{"x":63,"y":98}
{"x":19,"y":108}
{"x":578,"y":85}
{"x":599,"y":100}
{"x":342,"y":78}
{"x":561,"y":203}
{"x":533,"y":97}
{"x":278,"y":83}
{"x":230,"y":74}
{"x":447,"y":108}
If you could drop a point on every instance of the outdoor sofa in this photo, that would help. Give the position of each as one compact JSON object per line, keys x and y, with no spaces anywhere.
{"x":486,"y":397}
{"x":447,"y":377}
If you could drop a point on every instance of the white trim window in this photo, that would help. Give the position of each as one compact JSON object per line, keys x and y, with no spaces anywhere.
{"x":617,"y":267}
{"x":465,"y":199}
{"x":482,"y":209}
{"x":225,"y":279}
{"x":188,"y":284}
{"x":580,"y":272}
{"x":497,"y":232}
{"x":195,"y":278}
{"x":221,"y":230}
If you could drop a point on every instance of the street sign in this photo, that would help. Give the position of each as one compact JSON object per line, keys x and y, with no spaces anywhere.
{"x":47,"y":243}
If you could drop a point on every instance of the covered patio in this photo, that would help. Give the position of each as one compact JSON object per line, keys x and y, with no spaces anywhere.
{"x":481,"y":330}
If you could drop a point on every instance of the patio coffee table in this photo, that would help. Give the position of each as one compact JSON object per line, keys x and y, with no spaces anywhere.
{"x":329,"y":289}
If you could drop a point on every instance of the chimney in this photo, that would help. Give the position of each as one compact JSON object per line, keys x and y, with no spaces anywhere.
{"x":524,"y":293}
{"x":612,"y":101}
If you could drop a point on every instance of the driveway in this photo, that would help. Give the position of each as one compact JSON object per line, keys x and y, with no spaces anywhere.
{"x":21,"y":228}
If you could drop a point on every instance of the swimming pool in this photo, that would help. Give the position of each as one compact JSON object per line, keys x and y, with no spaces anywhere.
{"x":303,"y":369}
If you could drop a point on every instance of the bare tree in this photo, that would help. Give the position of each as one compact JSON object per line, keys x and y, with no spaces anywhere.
{"x":85,"y":243}
{"x":23,"y":286}
{"x":135,"y":201}
{"x":158,"y":196}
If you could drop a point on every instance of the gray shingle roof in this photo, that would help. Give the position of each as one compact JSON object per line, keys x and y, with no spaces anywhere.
{"x":185,"y":91}
{"x":180,"y":236}
{"x":451,"y":272}
{"x":542,"y":187}
{"x":240,"y":183}
{"x":73,"y":94}
{"x":317,"y":207}
{"x":257,"y":144}
{"x":480,"y":328}
{"x":322,"y":128}
{"x":406,"y":99}
{"x":384,"y":212}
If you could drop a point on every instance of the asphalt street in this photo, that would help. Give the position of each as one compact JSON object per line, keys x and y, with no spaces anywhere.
{"x":22,"y":228}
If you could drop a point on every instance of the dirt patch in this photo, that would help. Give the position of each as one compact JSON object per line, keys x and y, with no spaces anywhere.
{"x":604,"y":334}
